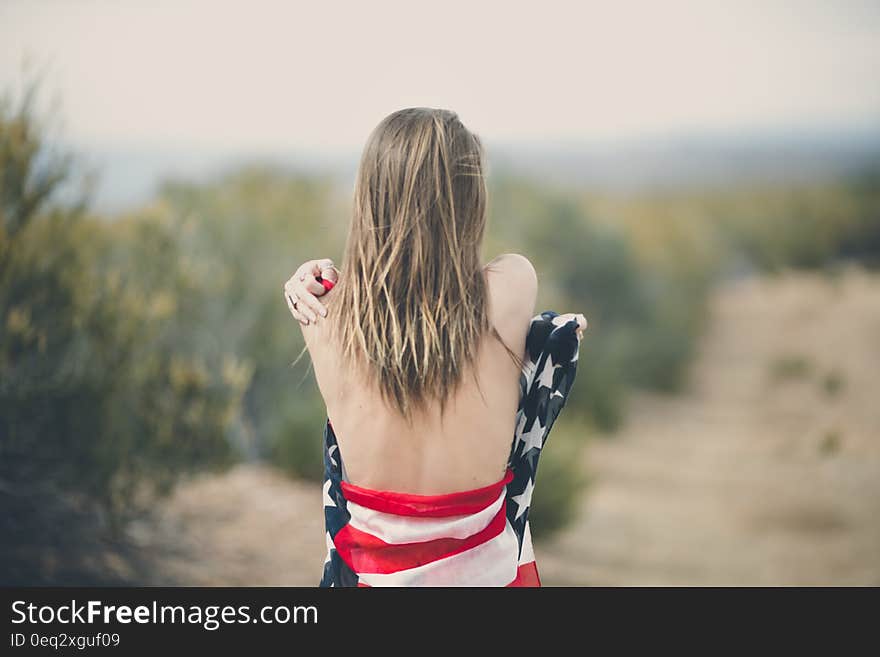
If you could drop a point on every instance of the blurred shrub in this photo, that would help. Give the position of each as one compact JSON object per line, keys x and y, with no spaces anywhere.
{"x":801,"y":225}
{"x":561,"y":481}
{"x":297,"y":444}
{"x":645,"y":308}
{"x":790,"y":367}
{"x":831,"y":442}
{"x":243,"y":236}
{"x":100,"y":397}
{"x":833,"y":383}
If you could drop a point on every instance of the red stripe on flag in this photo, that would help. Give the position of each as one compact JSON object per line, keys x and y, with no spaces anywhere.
{"x":365,"y":553}
{"x":428,"y":506}
{"x":527,"y":575}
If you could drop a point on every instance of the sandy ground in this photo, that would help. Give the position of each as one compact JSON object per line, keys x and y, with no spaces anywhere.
{"x":749,"y":478}
{"x":766,"y":472}
{"x":251,"y":526}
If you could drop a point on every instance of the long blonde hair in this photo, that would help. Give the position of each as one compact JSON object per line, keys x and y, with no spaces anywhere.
{"x":411,"y":299}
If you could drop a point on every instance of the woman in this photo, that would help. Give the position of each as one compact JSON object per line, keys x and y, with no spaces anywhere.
{"x":440,"y":384}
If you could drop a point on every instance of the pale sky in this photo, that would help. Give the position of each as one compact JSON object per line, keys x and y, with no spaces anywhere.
{"x":273,"y":75}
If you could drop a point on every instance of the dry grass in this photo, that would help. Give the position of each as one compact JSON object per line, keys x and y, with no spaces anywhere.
{"x":249,"y":527}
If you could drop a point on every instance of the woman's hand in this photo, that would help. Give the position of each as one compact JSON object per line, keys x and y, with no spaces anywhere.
{"x":581,"y":320}
{"x":582,"y":325}
{"x":302,"y":290}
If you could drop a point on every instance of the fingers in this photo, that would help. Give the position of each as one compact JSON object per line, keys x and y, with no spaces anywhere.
{"x":328,"y":271}
{"x":321,"y":265}
{"x":298,"y":316}
{"x":303,"y":289}
{"x":292,"y":303}
{"x":315,"y":268}
{"x":295,"y":293}
{"x":309,"y":286}
{"x":308,"y":290}
{"x":582,"y":325}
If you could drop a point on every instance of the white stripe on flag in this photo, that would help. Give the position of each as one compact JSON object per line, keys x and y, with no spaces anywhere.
{"x":491,"y":564}
{"x":528,"y":554}
{"x":393,"y":528}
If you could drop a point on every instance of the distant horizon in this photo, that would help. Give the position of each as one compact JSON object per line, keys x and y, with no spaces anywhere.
{"x":130,"y":173}
{"x":815,"y":133}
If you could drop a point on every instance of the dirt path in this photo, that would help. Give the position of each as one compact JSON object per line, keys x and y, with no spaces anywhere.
{"x":249,"y":527}
{"x":767,"y":472}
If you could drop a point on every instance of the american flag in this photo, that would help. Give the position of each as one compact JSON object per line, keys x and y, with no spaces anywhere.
{"x":478,"y":537}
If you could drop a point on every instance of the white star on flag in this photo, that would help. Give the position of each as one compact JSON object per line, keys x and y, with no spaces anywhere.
{"x":523,"y":499}
{"x":328,"y":540}
{"x":534,"y":437}
{"x":330,"y":451}
{"x":546,"y":377}
{"x":328,"y":501}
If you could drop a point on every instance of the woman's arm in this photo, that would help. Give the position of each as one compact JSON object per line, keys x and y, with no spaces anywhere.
{"x":303,"y":289}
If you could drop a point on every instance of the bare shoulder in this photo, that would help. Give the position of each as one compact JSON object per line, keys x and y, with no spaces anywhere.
{"x":514,"y":268}
{"x":513,"y":292}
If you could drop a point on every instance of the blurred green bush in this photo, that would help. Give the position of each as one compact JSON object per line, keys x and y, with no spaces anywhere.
{"x":102,"y":397}
{"x":770,"y":226}
{"x":244,"y":234}
{"x":561,"y":480}
{"x":645,"y":311}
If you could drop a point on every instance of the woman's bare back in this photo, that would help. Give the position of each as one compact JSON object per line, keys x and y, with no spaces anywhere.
{"x":469,"y":449}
